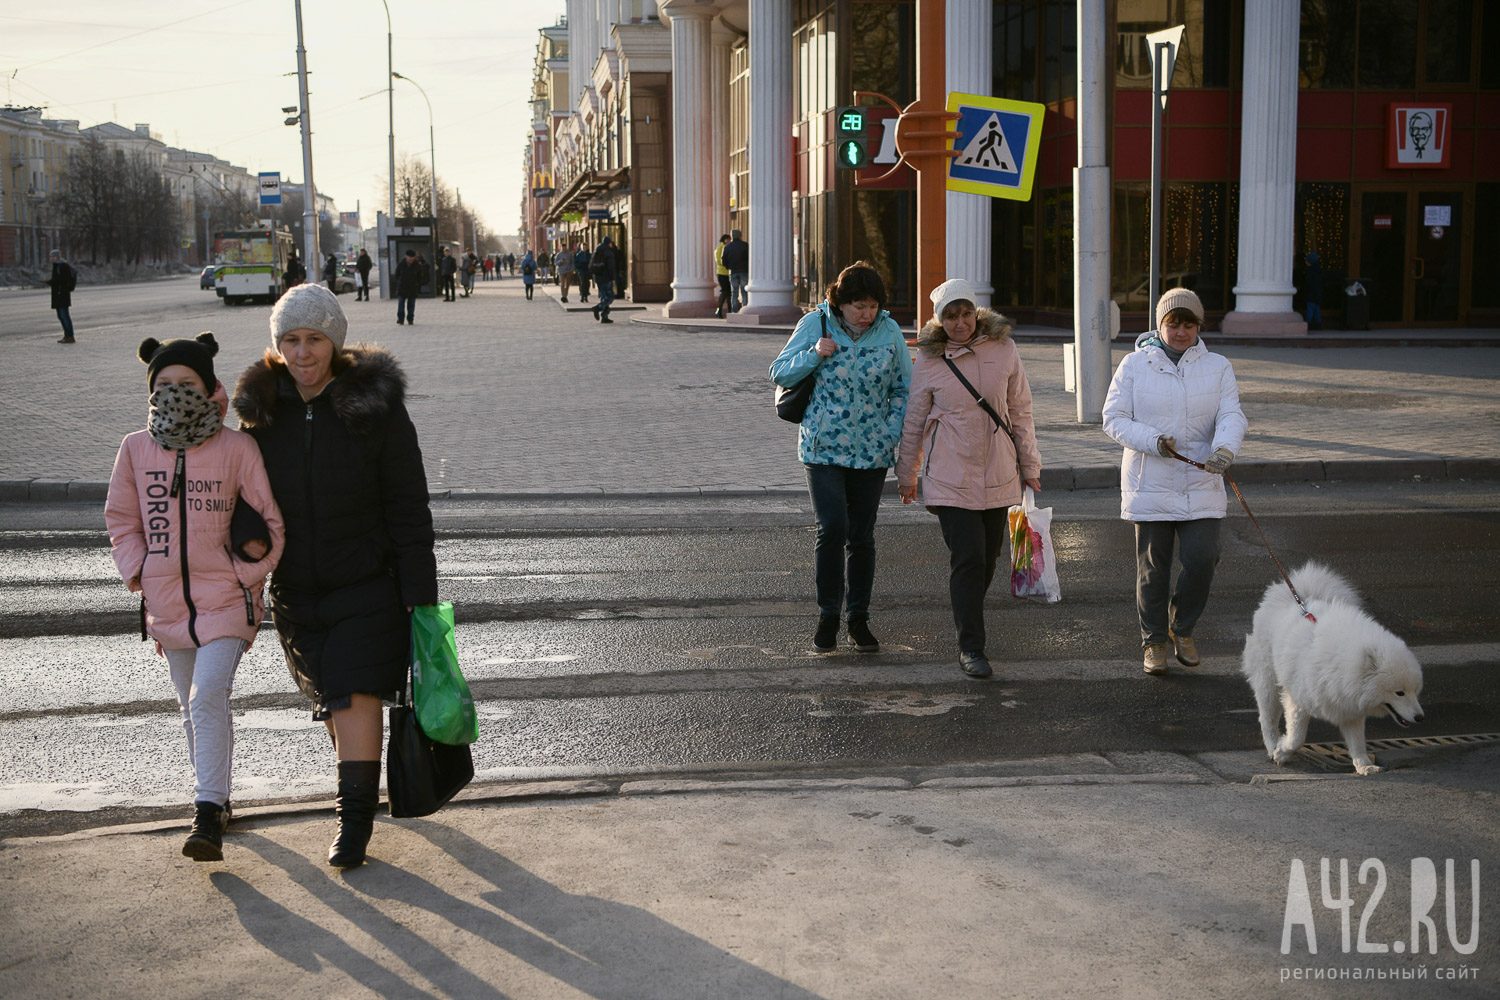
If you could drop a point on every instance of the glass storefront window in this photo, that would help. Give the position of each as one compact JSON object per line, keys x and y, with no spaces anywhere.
{"x":1329,"y":30}
{"x":1322,"y":227}
{"x":883,"y":50}
{"x":1388,"y":44}
{"x":1195,"y":242}
{"x":1060,"y":52}
{"x":1485,"y":293}
{"x":1015,"y":37}
{"x":1203,"y":59}
{"x":1450,"y":33}
{"x":1489,"y":46}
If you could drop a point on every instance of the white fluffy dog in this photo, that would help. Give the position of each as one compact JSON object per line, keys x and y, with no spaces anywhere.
{"x":1341,"y":669}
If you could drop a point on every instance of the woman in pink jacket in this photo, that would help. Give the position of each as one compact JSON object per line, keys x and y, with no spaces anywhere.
{"x":172,"y":498}
{"x":972,"y":457}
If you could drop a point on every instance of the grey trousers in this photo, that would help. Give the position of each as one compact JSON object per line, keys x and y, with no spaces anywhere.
{"x":204,"y":678}
{"x":1197,"y":544}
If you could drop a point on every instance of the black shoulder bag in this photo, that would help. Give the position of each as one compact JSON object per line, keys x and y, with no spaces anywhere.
{"x":792,"y":400}
{"x":984,"y":404}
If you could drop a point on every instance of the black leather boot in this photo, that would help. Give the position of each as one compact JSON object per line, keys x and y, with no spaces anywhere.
{"x":358,"y":798}
{"x":206,"y":840}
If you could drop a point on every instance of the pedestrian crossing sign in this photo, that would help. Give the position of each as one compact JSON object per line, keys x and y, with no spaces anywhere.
{"x":997,"y":142}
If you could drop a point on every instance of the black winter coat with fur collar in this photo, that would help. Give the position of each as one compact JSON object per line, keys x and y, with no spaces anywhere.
{"x":346,"y":471}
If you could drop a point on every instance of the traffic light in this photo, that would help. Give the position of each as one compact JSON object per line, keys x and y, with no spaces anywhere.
{"x":850,"y":149}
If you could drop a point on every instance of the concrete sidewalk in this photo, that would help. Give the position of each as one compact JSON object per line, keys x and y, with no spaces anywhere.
{"x":1139,"y":875}
{"x":518,"y":398}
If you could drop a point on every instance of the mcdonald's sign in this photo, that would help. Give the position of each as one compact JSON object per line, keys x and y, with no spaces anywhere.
{"x":541,"y":184}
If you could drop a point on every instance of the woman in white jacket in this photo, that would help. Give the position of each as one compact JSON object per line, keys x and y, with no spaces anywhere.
{"x":1173,"y":394}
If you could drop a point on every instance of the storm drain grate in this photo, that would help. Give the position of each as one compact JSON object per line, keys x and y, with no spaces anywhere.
{"x":1335,"y":756}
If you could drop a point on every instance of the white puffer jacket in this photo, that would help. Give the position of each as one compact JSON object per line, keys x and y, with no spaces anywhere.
{"x":1195,"y":401}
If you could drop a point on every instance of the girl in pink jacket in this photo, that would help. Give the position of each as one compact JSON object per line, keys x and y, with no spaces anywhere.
{"x":172,"y":498}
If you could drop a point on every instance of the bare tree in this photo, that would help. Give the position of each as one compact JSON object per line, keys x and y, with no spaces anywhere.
{"x":89,"y":195}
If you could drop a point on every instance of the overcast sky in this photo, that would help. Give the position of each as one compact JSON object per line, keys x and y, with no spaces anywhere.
{"x":211,"y":76}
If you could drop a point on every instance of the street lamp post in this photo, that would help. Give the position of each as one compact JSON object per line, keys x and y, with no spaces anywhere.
{"x":310,"y":191}
{"x":390,"y":100}
{"x":431,"y":144}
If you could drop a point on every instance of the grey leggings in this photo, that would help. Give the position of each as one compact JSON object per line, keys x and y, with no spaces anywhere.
{"x":204,"y":678}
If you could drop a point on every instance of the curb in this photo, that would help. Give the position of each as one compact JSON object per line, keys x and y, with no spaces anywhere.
{"x":555,"y":790}
{"x":1064,"y":477}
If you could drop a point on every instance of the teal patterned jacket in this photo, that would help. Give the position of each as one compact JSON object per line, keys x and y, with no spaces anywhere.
{"x":859,"y":402}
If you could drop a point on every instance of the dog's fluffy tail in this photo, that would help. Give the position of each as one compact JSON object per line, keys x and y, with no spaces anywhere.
{"x":1316,"y":582}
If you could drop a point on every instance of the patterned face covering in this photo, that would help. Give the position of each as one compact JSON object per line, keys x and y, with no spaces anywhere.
{"x":182,"y":417}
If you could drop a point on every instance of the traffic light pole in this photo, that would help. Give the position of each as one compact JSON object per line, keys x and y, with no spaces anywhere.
{"x":926,"y":151}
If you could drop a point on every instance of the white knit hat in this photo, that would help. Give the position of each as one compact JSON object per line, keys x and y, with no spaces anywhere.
{"x":309,"y":307}
{"x":951,"y":291}
{"x":1178,"y":298}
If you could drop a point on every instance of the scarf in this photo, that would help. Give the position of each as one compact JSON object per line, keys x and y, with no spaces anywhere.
{"x":1172,"y":356}
{"x":181,"y":417}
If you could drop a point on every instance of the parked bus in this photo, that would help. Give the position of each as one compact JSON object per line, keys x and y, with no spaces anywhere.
{"x":251,"y":263}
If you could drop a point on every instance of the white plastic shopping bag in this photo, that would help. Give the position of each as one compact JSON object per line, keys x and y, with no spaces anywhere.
{"x":1033,"y":568}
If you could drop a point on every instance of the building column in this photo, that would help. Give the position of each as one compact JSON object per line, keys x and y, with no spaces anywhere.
{"x":771,"y":287}
{"x":693,"y":282}
{"x":723,"y":38}
{"x":1268,"y":173}
{"x":969,"y":33}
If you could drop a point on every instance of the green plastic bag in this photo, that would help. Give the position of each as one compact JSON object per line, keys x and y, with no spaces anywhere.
{"x":445,"y":709}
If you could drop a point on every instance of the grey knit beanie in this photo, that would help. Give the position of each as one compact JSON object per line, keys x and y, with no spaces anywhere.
{"x":309,"y":307}
{"x":1178,"y":298}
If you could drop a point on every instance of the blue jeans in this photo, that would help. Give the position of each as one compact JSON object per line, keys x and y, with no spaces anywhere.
{"x":67,"y":322}
{"x":1314,"y":313}
{"x":737,"y":296}
{"x":846,"y":502}
{"x":407,"y":303}
{"x":606,"y":295}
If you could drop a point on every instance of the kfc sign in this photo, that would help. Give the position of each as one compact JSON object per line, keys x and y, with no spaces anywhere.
{"x":1417,"y":135}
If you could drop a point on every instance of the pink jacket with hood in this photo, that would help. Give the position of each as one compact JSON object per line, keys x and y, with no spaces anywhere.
{"x":194,"y":592}
{"x":948,"y":440}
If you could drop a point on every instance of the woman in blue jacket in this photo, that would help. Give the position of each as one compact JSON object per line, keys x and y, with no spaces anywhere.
{"x":848,"y":440}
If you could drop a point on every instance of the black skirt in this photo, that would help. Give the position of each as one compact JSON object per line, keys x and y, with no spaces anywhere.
{"x":354,"y":640}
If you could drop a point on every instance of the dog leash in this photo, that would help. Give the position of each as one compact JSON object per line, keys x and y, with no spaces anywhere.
{"x":1236,"y":487}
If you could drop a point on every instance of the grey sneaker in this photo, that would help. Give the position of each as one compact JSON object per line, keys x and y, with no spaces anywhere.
{"x":1156,"y":658}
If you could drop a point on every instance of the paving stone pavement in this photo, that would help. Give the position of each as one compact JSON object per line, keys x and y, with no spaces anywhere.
{"x":511,"y":396}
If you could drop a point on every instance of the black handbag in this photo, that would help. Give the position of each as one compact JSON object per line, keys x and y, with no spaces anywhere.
{"x":792,"y":400}
{"x":421,"y":775}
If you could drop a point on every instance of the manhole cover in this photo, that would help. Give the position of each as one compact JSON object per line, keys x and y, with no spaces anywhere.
{"x":1335,"y":756}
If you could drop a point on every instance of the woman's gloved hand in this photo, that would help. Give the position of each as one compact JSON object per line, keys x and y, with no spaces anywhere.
{"x":1219,"y":461}
{"x":1166,"y":445}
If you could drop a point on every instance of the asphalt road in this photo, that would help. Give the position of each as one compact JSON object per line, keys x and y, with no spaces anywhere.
{"x":607,"y":637}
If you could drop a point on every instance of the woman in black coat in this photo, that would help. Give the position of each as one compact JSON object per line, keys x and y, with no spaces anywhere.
{"x":345,"y":468}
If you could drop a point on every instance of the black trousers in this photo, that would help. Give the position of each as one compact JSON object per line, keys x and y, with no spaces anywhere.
{"x":976,"y":539}
{"x":846,"y":502}
{"x":1197,"y":544}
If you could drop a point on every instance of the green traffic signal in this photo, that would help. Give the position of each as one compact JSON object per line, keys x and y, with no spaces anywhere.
{"x":850,"y":151}
{"x":852,"y":154}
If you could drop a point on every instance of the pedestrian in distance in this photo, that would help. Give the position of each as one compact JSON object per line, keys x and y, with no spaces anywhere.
{"x":1312,"y":292}
{"x":62,"y":282}
{"x":722,"y":273}
{"x":1172,"y":395}
{"x":294,"y":274}
{"x":363,"y":265}
{"x":528,"y":273}
{"x":469,"y":266}
{"x":737,"y":259}
{"x":409,"y":278}
{"x":971,"y":469}
{"x":510,"y":261}
{"x":602,"y":269}
{"x":543,"y":264}
{"x":177,"y":493}
{"x":447,"y":269}
{"x":581,"y":261}
{"x":487,"y":265}
{"x":331,"y":273}
{"x":344,"y":464}
{"x":566,"y":270}
{"x":847,"y":439}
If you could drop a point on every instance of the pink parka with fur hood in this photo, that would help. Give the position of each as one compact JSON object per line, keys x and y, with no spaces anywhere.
{"x":948,"y":440}
{"x":221,"y":597}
